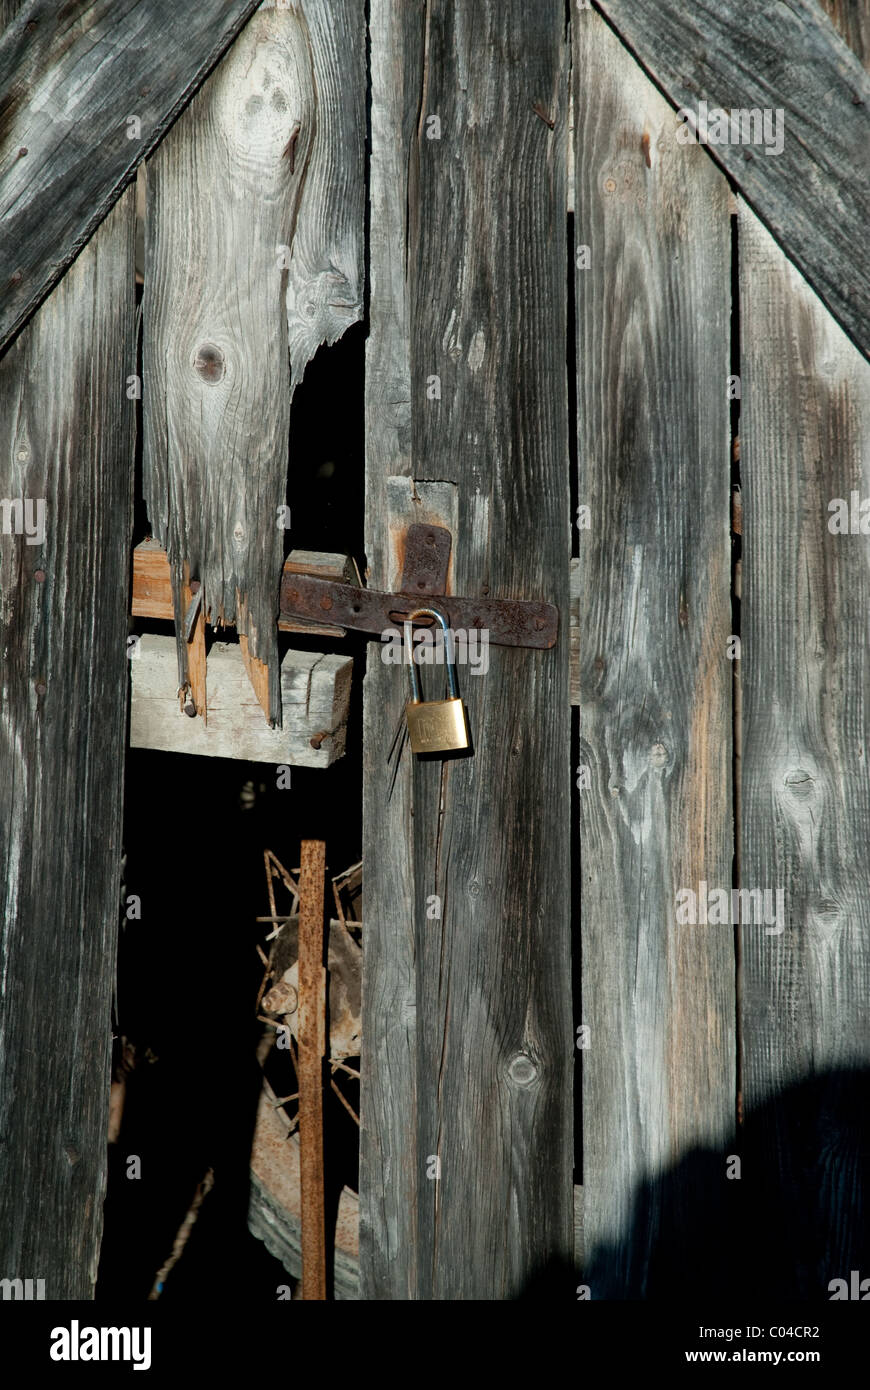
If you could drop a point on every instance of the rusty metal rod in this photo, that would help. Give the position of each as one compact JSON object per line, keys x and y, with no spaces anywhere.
{"x":312,"y":1039}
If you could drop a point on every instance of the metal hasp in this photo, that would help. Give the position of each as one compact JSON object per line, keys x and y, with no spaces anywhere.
{"x":509,"y":622}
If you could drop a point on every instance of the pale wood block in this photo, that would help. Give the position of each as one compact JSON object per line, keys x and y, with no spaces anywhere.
{"x":315,"y":692}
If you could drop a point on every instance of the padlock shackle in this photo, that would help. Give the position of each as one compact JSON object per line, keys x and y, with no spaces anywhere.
{"x":452,"y":686}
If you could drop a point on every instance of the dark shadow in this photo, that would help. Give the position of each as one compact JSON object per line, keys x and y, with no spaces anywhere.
{"x":795,"y":1219}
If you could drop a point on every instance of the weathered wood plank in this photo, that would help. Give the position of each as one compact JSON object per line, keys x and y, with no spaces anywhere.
{"x":814,"y":195}
{"x":258,"y":157}
{"x":388,"y":1209}
{"x":223,"y":194}
{"x":66,"y":437}
{"x":805,"y":427}
{"x":389,"y":1161}
{"x":653,"y":310}
{"x":467,"y":1021}
{"x":315,"y":691}
{"x":72,"y":79}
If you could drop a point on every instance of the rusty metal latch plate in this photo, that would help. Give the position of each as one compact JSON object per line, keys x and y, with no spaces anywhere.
{"x":509,"y":622}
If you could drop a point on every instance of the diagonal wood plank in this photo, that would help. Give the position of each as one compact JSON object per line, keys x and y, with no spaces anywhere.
{"x":74,"y":80}
{"x":815,"y":194}
{"x":66,"y":437}
{"x":653,"y":302}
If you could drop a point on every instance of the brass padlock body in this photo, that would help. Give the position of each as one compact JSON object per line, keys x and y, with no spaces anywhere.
{"x":437,"y":726}
{"x":434,"y":726}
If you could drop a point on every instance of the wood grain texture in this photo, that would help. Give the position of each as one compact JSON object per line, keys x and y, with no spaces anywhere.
{"x":815,"y":195}
{"x":66,"y":436}
{"x":805,"y":427}
{"x":325,"y":281}
{"x":388,"y":1158}
{"x":655,"y":719}
{"x":70,"y":76}
{"x":263,"y":153}
{"x":223,"y":194}
{"x":467,"y":1015}
{"x":851,"y":19}
{"x":389,"y":1166}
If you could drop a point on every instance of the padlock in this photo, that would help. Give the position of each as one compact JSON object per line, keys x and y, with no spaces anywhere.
{"x":434,"y":726}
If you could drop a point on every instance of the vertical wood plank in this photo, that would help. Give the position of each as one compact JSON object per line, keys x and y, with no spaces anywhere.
{"x":389,"y":1173}
{"x":472,"y":1102}
{"x":266,"y":149}
{"x":66,"y":437}
{"x":805,"y":427}
{"x":655,"y":710}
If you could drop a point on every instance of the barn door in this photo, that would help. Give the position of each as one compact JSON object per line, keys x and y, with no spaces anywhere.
{"x":553,"y":268}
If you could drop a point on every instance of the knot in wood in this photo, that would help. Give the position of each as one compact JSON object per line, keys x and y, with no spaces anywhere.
{"x":826,"y":917}
{"x":522,"y":1070}
{"x":658,"y":755}
{"x":801,"y":785}
{"x":209,"y":363}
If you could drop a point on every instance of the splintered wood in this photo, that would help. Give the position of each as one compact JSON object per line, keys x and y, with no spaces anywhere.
{"x":253,"y":236}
